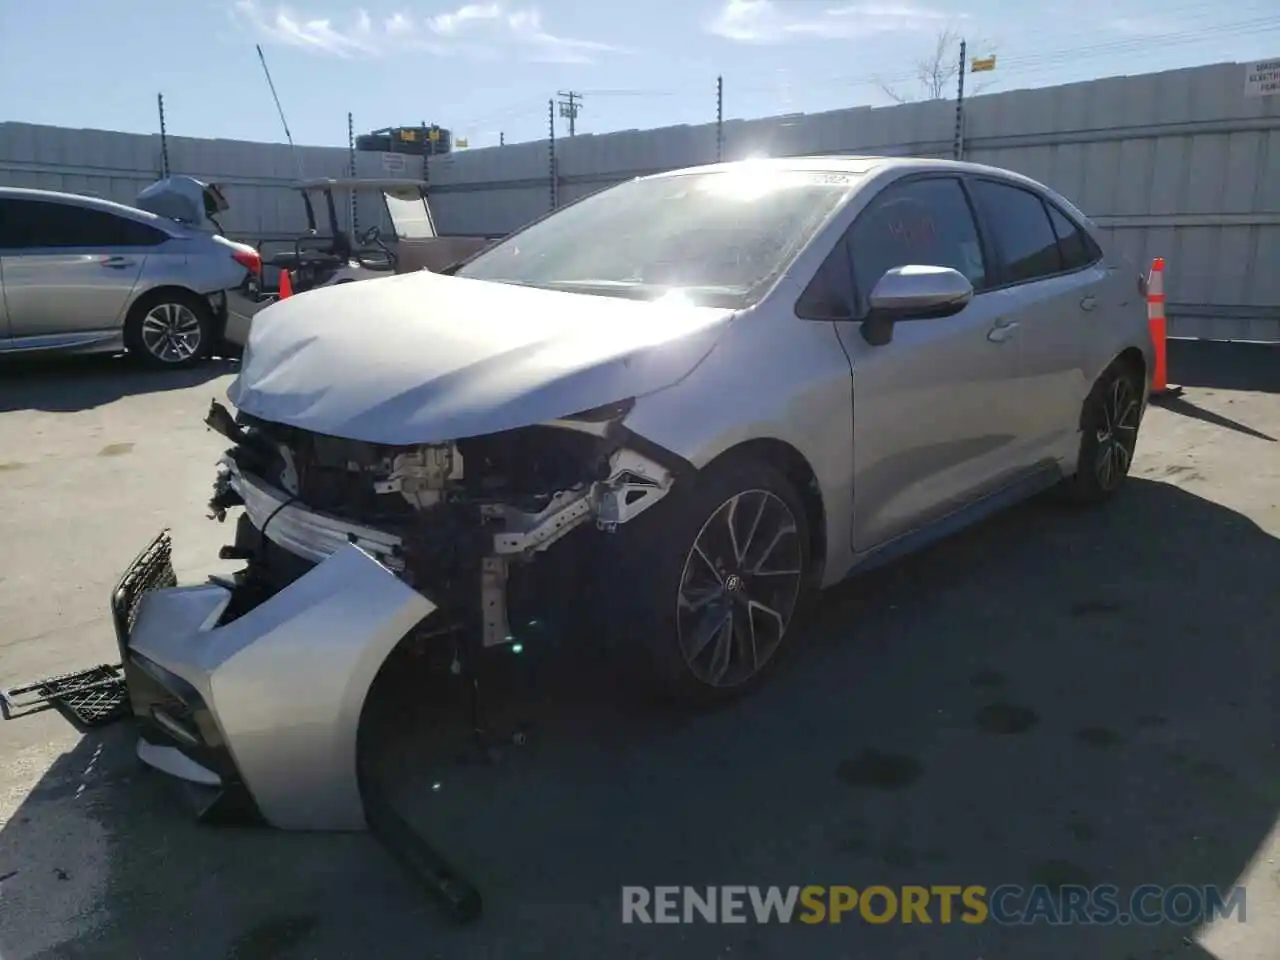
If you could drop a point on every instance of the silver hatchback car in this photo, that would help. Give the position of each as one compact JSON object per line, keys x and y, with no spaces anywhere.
{"x":669,"y":411}
{"x":84,"y":275}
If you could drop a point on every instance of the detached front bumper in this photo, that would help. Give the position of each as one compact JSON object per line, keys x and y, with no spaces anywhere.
{"x":259,"y":715}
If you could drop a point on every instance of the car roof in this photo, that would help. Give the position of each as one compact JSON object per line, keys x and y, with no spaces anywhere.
{"x":110,"y":206}
{"x":857,"y":165}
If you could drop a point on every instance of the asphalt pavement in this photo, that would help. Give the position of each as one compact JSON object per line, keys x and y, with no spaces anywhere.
{"x":1053,"y":697}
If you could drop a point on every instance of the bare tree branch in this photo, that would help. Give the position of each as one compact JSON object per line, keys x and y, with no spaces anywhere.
{"x":937,"y":74}
{"x":892,"y":94}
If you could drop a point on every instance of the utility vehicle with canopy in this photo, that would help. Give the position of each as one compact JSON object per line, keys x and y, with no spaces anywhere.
{"x":333,"y":255}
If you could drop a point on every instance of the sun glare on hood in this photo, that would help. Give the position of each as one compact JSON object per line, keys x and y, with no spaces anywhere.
{"x":675,"y":298}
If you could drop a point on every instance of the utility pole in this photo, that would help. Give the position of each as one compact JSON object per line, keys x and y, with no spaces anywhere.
{"x":351,"y":157}
{"x":164,"y":140}
{"x":551,"y":151}
{"x":958,"y":145}
{"x":569,"y":107}
{"x":719,"y":119}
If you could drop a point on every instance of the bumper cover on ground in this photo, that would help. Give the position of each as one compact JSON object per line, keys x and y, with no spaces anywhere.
{"x":262,"y":713}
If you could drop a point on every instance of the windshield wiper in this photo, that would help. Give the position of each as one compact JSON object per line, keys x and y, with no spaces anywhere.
{"x":595,"y":283}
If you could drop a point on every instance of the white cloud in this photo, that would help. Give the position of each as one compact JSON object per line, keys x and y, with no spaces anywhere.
{"x":398,"y":25}
{"x":486,"y":25}
{"x":451,"y":23}
{"x":282,"y":25}
{"x":483,"y":30}
{"x":769,"y":21}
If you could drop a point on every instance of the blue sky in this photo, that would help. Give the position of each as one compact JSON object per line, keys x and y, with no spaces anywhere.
{"x":490,"y":66}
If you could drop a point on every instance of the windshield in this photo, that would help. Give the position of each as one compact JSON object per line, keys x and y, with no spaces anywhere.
{"x":409,"y":215}
{"x":719,"y":238}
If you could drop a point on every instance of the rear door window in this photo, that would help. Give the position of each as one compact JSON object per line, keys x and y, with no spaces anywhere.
{"x":1021,"y":229}
{"x":134,"y":234}
{"x":46,"y":224}
{"x":921,"y":222}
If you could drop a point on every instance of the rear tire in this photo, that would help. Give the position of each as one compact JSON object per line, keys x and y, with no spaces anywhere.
{"x":1109,"y":426}
{"x":704,"y":616}
{"x":170,"y":330}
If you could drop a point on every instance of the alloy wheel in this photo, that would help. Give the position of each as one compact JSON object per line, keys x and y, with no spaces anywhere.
{"x":171,"y":332}
{"x":1117,"y":436}
{"x":739,"y":588}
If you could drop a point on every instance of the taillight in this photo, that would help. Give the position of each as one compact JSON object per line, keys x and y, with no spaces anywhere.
{"x":249,"y":259}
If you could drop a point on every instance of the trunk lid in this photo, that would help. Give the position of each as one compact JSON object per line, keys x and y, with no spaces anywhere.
{"x":185,"y":200}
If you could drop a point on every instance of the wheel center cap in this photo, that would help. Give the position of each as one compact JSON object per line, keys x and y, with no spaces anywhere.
{"x":733,"y":584}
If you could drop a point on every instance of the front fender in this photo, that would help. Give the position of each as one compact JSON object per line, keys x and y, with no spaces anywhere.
{"x":770,"y":377}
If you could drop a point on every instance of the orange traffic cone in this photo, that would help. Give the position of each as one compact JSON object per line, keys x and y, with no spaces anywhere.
{"x":1159,"y":330}
{"x":286,"y":285}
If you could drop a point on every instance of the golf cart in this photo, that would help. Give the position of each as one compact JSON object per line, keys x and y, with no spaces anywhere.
{"x":317,"y":259}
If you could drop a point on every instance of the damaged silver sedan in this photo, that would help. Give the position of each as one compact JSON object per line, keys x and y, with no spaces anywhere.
{"x":666,"y":412}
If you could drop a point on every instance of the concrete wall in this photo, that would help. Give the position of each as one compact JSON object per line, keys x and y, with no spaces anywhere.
{"x":117,"y":166}
{"x":1180,"y":165}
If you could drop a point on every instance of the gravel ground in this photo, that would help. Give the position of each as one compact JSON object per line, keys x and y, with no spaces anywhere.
{"x":1051,"y":697}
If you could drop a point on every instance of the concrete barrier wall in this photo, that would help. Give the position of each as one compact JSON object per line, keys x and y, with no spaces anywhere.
{"x":117,"y":166}
{"x":1179,"y":164}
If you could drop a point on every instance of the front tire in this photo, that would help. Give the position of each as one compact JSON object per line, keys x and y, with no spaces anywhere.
{"x":1109,"y":436}
{"x":708,"y":583}
{"x":169,"y":330}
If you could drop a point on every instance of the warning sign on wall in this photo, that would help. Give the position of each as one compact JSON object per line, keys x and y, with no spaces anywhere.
{"x":393,"y":163}
{"x":1262,"y":79}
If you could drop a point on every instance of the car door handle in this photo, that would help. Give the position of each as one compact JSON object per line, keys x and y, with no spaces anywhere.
{"x":1089,"y":302}
{"x":1002,"y":331}
{"x":119,"y":263}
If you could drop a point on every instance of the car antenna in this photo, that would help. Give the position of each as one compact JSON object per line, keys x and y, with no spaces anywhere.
{"x":280,"y":110}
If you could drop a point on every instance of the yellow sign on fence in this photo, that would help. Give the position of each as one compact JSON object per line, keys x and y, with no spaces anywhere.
{"x":982,"y":64}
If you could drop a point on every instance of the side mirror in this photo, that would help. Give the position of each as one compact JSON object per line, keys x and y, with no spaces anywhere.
{"x":914,"y":292}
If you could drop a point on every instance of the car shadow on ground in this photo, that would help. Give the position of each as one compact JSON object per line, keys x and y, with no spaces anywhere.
{"x":69,"y":384}
{"x":1055,"y":697}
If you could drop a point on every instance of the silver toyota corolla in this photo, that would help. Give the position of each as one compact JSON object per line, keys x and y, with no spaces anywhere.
{"x":670,"y":410}
{"x":84,"y":275}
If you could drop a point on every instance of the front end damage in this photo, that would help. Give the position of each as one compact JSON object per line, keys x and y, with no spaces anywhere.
{"x":250,"y":688}
{"x":468,"y":523}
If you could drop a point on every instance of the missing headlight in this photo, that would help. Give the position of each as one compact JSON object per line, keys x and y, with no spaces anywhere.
{"x":602,"y":414}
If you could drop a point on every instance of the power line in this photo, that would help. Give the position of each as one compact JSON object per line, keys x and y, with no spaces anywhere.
{"x":1179,"y":17}
{"x":1134,"y":46}
{"x":1152,"y":41}
{"x":627,"y":93}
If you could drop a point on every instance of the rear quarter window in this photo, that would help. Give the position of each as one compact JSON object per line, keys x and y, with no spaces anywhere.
{"x":1078,"y":248}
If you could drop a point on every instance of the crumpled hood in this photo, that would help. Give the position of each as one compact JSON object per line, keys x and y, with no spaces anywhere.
{"x":423,"y":358}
